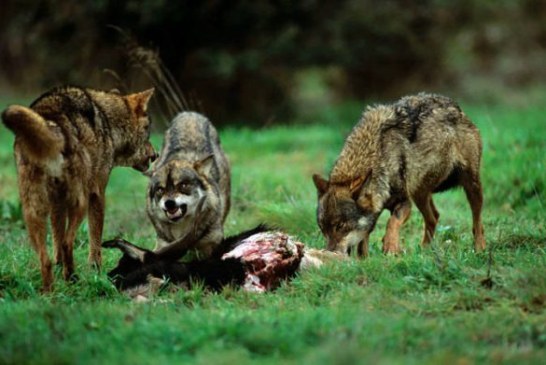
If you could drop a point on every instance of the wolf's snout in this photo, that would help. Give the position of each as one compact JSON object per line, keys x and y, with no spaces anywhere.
{"x":173,"y":211}
{"x":151,"y":153}
{"x":154,"y":156}
{"x":145,"y":157}
{"x":170,"y":204}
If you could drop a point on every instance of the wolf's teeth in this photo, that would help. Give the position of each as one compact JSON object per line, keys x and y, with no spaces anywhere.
{"x":176,"y":214}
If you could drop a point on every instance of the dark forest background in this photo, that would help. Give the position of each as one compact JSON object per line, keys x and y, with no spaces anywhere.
{"x":262,"y":61}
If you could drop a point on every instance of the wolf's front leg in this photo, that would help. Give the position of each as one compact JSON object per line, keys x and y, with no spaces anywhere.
{"x":363,"y":246}
{"x":399,"y":215}
{"x":430,"y":214}
{"x":208,"y":244}
{"x":96,"y":224}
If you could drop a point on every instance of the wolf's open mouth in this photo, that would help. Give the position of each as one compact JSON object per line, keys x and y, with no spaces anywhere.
{"x":176,"y":214}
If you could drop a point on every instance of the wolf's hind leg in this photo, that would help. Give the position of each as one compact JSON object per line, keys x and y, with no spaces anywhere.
{"x":430,"y":214}
{"x":474,"y":193}
{"x":96,"y":225}
{"x":58,"y":229}
{"x":399,"y":215}
{"x":75,"y":218}
{"x":37,"y":229}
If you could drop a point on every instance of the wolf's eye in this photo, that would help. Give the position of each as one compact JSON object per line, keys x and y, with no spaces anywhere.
{"x":159,"y":191}
{"x":184,"y":187}
{"x":338,"y":227}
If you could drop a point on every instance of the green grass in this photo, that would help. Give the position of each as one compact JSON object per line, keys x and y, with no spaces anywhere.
{"x":430,"y":306}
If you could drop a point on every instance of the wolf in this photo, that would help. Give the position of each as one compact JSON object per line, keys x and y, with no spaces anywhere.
{"x":66,"y":144}
{"x":397,"y":155}
{"x":190,"y":185}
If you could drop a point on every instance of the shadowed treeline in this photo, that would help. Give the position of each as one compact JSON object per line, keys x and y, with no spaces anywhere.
{"x":260,"y":61}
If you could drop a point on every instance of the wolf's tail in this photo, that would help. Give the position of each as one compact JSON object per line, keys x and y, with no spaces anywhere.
{"x":36,"y":139}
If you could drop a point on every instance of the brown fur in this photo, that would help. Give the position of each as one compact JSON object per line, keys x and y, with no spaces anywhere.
{"x":66,"y":144}
{"x":395,"y":155}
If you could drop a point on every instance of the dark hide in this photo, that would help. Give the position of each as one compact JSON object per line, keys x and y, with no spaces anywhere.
{"x":138,"y":263}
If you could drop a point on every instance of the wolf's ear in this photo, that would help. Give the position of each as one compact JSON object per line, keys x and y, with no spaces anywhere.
{"x":139,"y":101}
{"x":127,"y":248}
{"x":321,"y":184}
{"x":356,"y":184}
{"x":204,"y":166}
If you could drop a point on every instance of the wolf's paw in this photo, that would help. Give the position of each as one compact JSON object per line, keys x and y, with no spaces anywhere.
{"x":95,"y":262}
{"x":391,"y":248}
{"x":72,"y":278}
{"x":391,"y":245}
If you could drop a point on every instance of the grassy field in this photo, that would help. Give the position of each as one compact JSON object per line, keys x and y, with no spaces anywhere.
{"x":437,"y":306}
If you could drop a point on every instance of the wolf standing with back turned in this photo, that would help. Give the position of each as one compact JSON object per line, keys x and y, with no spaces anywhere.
{"x":189,"y":189}
{"x":395,"y":155}
{"x":66,"y":144}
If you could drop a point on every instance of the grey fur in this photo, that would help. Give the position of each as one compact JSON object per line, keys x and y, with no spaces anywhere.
{"x":194,"y":173}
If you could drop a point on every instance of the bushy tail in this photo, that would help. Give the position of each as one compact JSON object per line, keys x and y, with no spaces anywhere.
{"x":36,"y":139}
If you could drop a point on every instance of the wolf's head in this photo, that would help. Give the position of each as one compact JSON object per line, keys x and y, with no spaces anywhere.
{"x":137,"y":151}
{"x":345,"y":216}
{"x":178,"y":189}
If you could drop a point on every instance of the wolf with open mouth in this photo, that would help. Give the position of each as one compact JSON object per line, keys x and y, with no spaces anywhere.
{"x":189,"y":188}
